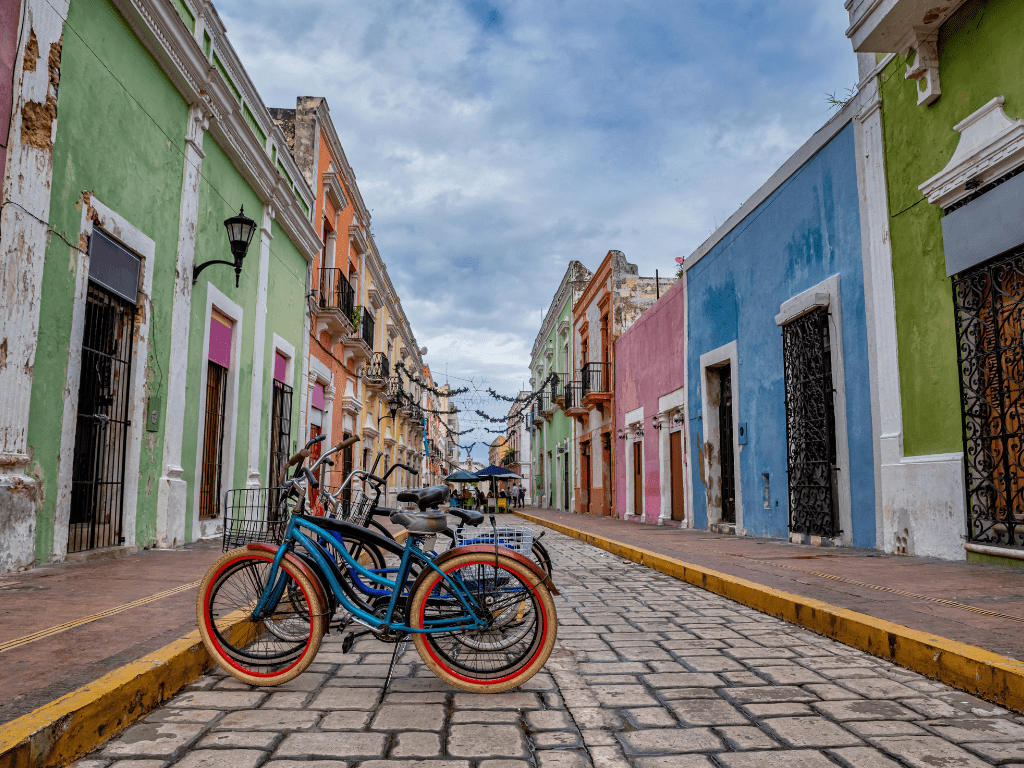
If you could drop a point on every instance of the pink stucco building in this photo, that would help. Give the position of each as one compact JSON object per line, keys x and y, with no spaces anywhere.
{"x":652,"y":476}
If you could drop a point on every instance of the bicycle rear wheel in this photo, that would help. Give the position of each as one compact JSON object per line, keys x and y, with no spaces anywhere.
{"x":267,"y":651}
{"x":539,"y":555}
{"x":521,"y":623}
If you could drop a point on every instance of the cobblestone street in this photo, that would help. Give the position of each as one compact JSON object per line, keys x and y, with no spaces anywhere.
{"x":647,"y":672}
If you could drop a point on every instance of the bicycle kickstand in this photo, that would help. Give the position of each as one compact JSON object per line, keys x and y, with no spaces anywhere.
{"x":399,"y":648}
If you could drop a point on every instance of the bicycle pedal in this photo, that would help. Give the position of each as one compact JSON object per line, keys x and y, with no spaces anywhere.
{"x":346,"y":644}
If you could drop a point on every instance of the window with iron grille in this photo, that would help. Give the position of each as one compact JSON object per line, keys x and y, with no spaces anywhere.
{"x":213,"y":441}
{"x":988,"y":302}
{"x":280,"y":431}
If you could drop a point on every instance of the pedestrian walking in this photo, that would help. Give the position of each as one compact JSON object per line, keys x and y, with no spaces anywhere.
{"x":522,"y":495}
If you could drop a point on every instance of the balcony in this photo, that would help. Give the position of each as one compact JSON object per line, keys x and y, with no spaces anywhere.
{"x":546,"y":405}
{"x":360,"y":343}
{"x":557,"y":387}
{"x":332,"y":304}
{"x":573,"y":404}
{"x":377,"y":372}
{"x":596,"y":385}
{"x":510,"y":458}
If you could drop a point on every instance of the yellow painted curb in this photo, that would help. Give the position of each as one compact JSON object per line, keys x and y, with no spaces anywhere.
{"x":995,"y":678}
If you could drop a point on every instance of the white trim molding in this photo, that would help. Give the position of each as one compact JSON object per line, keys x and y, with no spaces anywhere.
{"x":710,"y":362}
{"x":95,"y":213}
{"x":991,"y":144}
{"x":827,"y":294}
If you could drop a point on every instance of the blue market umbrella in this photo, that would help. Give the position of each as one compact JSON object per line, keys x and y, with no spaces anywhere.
{"x":462,"y":476}
{"x":494,"y":473}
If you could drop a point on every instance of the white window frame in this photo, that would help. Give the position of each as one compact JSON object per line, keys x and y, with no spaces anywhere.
{"x":709,"y":362}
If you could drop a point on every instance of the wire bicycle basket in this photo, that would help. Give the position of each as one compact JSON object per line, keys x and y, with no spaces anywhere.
{"x":356,"y":509}
{"x":255,"y":515}
{"x":515,"y":537}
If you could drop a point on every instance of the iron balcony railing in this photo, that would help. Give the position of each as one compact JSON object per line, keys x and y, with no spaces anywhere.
{"x":336,"y":293}
{"x":595,"y":378}
{"x":543,"y":402}
{"x":365,"y":329}
{"x":573,"y":395}
{"x":557,"y":386}
{"x":379,"y":369}
{"x":510,"y":458}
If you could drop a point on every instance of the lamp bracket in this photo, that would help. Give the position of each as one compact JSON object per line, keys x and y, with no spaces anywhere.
{"x":197,"y":268}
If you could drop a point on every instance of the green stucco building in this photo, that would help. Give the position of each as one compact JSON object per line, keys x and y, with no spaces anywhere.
{"x":942,"y":142}
{"x":145,"y":397}
{"x":552,"y":430}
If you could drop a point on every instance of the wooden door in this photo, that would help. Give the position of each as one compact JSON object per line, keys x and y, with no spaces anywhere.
{"x":675,"y":458}
{"x":638,"y":478}
{"x":585,"y":486}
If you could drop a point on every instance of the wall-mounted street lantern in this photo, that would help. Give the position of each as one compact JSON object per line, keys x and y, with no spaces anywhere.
{"x":655,"y":422}
{"x":240,"y":231}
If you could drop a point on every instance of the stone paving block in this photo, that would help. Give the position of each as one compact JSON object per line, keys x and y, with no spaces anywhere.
{"x":865,"y":709}
{"x":427,"y":697}
{"x":339,"y":745}
{"x":872,"y":728}
{"x":482,"y":741}
{"x":409,"y":717}
{"x":716,"y":663}
{"x":601,"y":657}
{"x":670,"y":741}
{"x":549,"y":720}
{"x":707,"y":712}
{"x":682,"y":680}
{"x":420,"y":745}
{"x":346,"y":720}
{"x":998,"y":753}
{"x":287,"y":700}
{"x":928,"y":752}
{"x":742,"y":678}
{"x":510,"y":700}
{"x":221,"y":758}
{"x":987,"y":729}
{"x":485,"y":716}
{"x":419,"y":684}
{"x":674,"y":694}
{"x":831,"y":692}
{"x":691,"y":645}
{"x":589,"y":718}
{"x":502,"y":764}
{"x":797,"y":758}
{"x":758,"y":652}
{"x":623,"y":696}
{"x":172,"y":715}
{"x":790,"y":675}
{"x":220,"y":699}
{"x":345,"y":698}
{"x":158,"y":739}
{"x":599,"y":739}
{"x":933,"y":709}
{"x":305,"y":682}
{"x":674,"y":761}
{"x":862,"y":757}
{"x":396,"y":764}
{"x":611,"y":679}
{"x":650,"y":717}
{"x":557,"y":739}
{"x":767,"y":694}
{"x":782,"y":709}
{"x":572,"y":758}
{"x":816,"y":732}
{"x":878,"y":688}
{"x":968,"y":703}
{"x":239,"y":739}
{"x":744,"y":737}
{"x":120,"y":764}
{"x":613,"y":668}
{"x":268,"y":720}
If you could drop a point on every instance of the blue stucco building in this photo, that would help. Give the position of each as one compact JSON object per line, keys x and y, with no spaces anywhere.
{"x":778,"y":376}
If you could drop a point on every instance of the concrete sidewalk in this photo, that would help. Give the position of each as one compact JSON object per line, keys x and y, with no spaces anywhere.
{"x":137,"y":604}
{"x":976,"y":604}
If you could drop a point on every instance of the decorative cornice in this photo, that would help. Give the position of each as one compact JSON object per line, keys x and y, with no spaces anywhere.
{"x":334,"y":190}
{"x":357,"y":238}
{"x":573,"y":273}
{"x":991,"y":144}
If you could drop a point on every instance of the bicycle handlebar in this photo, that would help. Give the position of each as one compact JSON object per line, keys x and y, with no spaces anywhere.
{"x":408,"y":468}
{"x":310,"y":479}
{"x":304,"y":453}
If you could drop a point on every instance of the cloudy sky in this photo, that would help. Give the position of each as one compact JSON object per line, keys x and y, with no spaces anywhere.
{"x":496,"y":140}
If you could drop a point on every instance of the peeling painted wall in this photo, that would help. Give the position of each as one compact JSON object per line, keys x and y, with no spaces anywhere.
{"x":804,"y":232}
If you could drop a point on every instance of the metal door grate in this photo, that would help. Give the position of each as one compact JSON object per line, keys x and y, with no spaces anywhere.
{"x":810,"y":425}
{"x":989,"y":306}
{"x":726,"y":452}
{"x":280,"y":432}
{"x":101,"y":439}
{"x":213,"y":441}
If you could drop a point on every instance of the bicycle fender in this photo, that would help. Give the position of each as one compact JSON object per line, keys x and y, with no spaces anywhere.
{"x":489,"y":548}
{"x":299,"y":565}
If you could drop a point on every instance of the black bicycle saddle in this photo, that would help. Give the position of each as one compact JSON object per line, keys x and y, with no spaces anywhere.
{"x":426,"y":498}
{"x":421,"y":522}
{"x":468,"y":516}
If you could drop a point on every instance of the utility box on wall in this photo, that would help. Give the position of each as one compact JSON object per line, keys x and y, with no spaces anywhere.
{"x":153,"y":410}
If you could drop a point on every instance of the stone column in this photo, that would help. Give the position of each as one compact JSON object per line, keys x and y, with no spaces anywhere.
{"x":259,"y":350}
{"x":664,"y":467}
{"x":171,"y":488}
{"x":630,"y":473}
{"x":26,"y":192}
{"x":329,"y":392}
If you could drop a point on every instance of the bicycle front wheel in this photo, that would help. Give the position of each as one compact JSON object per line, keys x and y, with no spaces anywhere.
{"x":519,"y":634}
{"x":267,"y":651}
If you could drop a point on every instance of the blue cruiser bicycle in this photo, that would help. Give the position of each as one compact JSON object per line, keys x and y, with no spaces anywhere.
{"x":481,"y":616}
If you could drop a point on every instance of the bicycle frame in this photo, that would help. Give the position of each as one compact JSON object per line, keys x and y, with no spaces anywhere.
{"x":294,"y":534}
